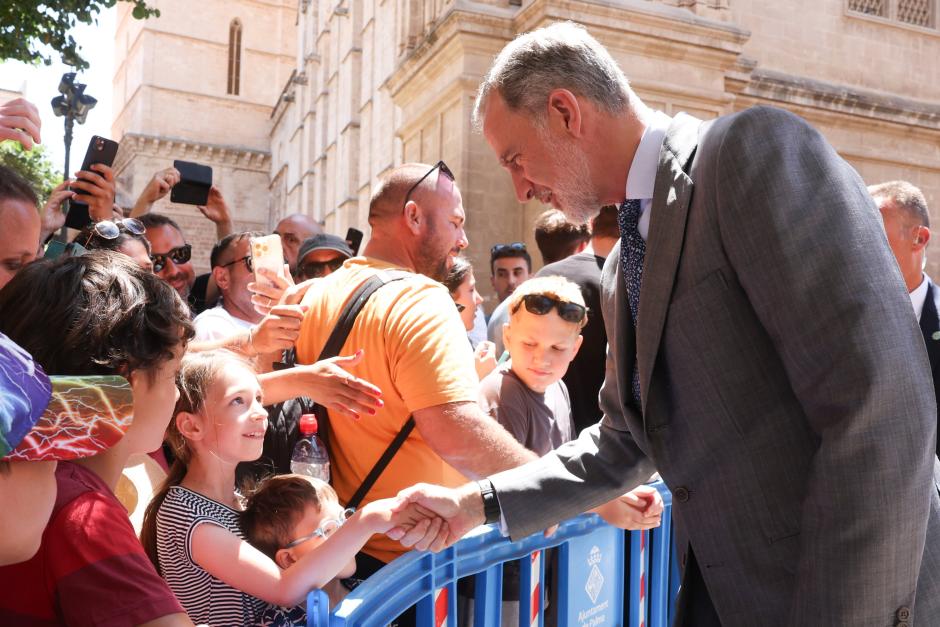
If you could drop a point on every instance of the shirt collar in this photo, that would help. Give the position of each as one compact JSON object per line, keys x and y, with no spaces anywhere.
{"x":642,"y":175}
{"x":918,"y":296}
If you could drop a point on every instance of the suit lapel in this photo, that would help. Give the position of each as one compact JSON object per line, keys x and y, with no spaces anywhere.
{"x":671,"y":196}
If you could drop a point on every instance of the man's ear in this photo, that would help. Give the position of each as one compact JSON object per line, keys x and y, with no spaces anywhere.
{"x":577,"y":347}
{"x":413,"y":217}
{"x":564,"y":112}
{"x":190,"y":425}
{"x":921,"y":237}
{"x":221,"y":277}
{"x":507,"y":335}
{"x":284,"y":559}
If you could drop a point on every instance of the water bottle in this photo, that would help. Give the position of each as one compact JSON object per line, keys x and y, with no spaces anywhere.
{"x":310,"y":457}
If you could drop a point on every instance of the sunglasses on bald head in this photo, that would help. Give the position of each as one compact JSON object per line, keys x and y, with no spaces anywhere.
{"x":439,"y":166}
{"x":540,"y":304}
{"x":178,"y":255}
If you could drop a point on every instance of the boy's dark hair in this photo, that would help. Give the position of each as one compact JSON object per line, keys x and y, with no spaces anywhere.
{"x":557,"y":237}
{"x":13,"y":186}
{"x":605,"y":223}
{"x":158,"y":219}
{"x":509,"y":251}
{"x":99,"y":313}
{"x":274,"y":509}
{"x":215,"y":258}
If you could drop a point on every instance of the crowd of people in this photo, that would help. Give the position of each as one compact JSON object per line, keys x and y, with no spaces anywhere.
{"x":775,"y":382}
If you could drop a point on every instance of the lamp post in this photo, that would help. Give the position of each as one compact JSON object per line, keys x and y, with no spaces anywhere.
{"x":74,"y":104}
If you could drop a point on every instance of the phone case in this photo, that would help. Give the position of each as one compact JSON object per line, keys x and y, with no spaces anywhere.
{"x":100,"y":150}
{"x":266,"y":252}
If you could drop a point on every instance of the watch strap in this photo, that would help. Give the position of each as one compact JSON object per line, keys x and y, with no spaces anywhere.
{"x":491,"y":510}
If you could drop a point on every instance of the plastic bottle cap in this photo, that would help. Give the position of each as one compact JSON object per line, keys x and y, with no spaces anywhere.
{"x":308,"y":424}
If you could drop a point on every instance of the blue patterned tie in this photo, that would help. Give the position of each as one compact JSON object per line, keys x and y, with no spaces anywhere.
{"x":632,"y":252}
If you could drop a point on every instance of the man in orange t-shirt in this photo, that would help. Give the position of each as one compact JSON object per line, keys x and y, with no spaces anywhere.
{"x":416,"y":352}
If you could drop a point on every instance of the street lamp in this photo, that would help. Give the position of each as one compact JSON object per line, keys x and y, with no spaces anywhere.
{"x":74,"y":104}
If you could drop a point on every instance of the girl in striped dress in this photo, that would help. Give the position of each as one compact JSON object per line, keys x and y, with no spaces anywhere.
{"x":191,"y":528}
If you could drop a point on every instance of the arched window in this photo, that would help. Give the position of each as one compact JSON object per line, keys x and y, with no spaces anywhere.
{"x":234,"y":56}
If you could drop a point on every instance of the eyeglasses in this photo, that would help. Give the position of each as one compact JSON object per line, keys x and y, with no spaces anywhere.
{"x":317,"y":269}
{"x":179,"y":255}
{"x":246,"y":259}
{"x":326,"y":528}
{"x":107,"y":229}
{"x":444,"y":170}
{"x":539,"y":304}
{"x":515,"y":247}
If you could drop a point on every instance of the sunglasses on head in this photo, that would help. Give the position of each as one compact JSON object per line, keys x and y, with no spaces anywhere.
{"x":178,"y":255}
{"x":317,"y":269}
{"x":498,"y":249}
{"x":439,"y":166}
{"x":108,"y":229}
{"x":540,"y":304}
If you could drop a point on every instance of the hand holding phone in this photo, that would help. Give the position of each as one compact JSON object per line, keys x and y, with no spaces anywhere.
{"x":266,"y":252}
{"x":94,"y":185}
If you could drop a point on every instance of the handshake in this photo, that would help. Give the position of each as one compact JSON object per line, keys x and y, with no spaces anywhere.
{"x":431,"y":518}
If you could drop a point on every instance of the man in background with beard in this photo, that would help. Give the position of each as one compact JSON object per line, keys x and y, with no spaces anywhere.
{"x":416,"y":352}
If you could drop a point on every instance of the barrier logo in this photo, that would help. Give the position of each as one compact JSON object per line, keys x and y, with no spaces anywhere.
{"x":595,"y":580}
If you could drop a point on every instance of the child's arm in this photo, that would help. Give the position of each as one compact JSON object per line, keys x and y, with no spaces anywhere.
{"x":231,"y":559}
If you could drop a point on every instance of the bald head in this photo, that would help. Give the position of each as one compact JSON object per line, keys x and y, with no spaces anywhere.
{"x":388,"y":199}
{"x":294,"y":229}
{"x":417,"y":219}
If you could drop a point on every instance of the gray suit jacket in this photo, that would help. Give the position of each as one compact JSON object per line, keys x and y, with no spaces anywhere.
{"x":786,"y":392}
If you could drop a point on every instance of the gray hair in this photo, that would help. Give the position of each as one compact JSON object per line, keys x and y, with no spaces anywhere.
{"x":906,"y":197}
{"x":561,"y":56}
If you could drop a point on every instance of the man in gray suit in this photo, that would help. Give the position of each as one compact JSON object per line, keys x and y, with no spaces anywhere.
{"x":761,"y":350}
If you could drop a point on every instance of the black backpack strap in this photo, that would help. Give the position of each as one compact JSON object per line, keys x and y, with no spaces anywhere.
{"x":334,"y":344}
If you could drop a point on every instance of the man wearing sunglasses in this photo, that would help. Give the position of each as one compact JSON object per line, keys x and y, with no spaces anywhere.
{"x":170,"y":253}
{"x":321,"y":255}
{"x":232,"y":271}
{"x":764,"y":356}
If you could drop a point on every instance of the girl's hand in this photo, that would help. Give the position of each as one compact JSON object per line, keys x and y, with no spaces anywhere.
{"x":328,"y":383}
{"x":484,"y":358}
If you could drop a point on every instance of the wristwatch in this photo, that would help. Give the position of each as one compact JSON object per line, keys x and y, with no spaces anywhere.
{"x":490,"y":503}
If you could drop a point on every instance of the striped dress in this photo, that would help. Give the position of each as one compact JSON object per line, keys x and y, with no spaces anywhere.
{"x":206,"y":599}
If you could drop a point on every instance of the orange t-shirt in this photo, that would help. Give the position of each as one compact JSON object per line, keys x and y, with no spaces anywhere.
{"x":416,"y":352}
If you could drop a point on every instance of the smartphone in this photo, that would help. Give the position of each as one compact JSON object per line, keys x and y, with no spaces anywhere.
{"x":194,"y":185}
{"x":100,"y":150}
{"x":354,"y":239}
{"x":266,"y":252}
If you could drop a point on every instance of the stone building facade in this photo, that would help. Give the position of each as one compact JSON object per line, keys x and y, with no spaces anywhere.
{"x":197,"y":84}
{"x":369,"y":84}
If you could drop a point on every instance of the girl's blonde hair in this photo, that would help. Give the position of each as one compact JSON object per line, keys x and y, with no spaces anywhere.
{"x":198,"y":371}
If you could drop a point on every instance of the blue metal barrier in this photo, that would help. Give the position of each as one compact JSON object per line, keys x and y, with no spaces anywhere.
{"x":594,"y":587}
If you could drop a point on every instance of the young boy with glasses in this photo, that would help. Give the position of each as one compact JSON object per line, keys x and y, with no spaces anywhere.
{"x":285,"y":518}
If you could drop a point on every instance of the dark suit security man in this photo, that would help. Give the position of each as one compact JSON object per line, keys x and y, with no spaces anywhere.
{"x":907,"y":225}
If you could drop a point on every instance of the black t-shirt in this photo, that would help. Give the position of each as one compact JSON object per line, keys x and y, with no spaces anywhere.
{"x":586,"y":373}
{"x":197,"y":294}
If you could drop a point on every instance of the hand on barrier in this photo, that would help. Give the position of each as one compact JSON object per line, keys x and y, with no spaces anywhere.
{"x":461,"y":508}
{"x":639,"y":509}
{"x":19,"y":121}
{"x":278,"y":330}
{"x":328,"y":383}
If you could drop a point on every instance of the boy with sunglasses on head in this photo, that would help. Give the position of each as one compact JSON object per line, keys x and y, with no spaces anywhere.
{"x":543,"y":334}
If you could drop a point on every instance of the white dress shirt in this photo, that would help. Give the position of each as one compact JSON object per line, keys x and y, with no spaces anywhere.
{"x":642,"y":176}
{"x":918,"y":296}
